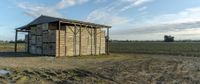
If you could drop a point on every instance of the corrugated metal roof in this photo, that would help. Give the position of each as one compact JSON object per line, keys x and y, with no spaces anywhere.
{"x":43,"y":19}
{"x":48,"y":19}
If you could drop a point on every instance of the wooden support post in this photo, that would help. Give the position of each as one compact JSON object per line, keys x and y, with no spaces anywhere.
{"x":75,"y":30}
{"x":59,"y":38}
{"x":28,"y":39}
{"x":16,"y":35}
{"x":100,"y":43}
{"x":80,"y":41}
{"x":66,"y":41}
{"x":91,"y":40}
{"x":95,"y":41}
{"x":107,"y":42}
{"x":42,"y":43}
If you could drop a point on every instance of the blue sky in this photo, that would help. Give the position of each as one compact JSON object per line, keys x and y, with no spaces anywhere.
{"x":131,"y":19}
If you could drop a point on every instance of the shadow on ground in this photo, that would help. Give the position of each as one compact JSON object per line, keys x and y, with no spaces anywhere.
{"x":18,"y":54}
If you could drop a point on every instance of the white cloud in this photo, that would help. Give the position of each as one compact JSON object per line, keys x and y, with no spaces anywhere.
{"x":190,"y":31}
{"x":104,"y":17}
{"x":187,"y":34}
{"x":37,"y":10}
{"x":142,"y":8}
{"x":158,"y":29}
{"x":134,"y":3}
{"x":185,"y":16}
{"x":67,"y":3}
{"x":110,"y":14}
{"x":111,"y":11}
{"x":141,"y":2}
{"x":100,"y":1}
{"x":183,"y":25}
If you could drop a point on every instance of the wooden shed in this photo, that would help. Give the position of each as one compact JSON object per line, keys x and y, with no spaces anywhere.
{"x":63,"y":37}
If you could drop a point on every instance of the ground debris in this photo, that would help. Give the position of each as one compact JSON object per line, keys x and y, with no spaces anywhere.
{"x":116,"y":69}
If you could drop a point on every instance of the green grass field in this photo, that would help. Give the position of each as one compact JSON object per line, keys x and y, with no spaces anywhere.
{"x":174,"y":48}
{"x":9,"y":47}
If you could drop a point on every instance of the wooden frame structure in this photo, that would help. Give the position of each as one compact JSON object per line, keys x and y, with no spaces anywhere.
{"x":93,"y":30}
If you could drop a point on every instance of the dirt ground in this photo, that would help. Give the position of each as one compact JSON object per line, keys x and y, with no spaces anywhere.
{"x":113,"y":69}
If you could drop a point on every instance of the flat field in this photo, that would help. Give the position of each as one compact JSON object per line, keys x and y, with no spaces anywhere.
{"x":168,"y":48}
{"x":9,"y":47}
{"x":117,"y":68}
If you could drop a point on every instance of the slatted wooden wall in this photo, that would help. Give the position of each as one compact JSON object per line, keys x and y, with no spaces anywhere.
{"x":77,"y":40}
{"x":46,"y":39}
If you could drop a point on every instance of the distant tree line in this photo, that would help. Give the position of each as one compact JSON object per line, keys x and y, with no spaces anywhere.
{"x":135,"y":40}
{"x":18,"y":41}
{"x":153,"y":41}
{"x":11,"y":41}
{"x":168,"y":38}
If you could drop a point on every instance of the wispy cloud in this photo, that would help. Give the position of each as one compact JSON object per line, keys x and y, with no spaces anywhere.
{"x":140,"y":2}
{"x":180,"y":24}
{"x":100,"y":1}
{"x":111,"y":14}
{"x":187,"y":15}
{"x":35,"y":10}
{"x":188,"y":18}
{"x":156,"y":32}
{"x":100,"y":15}
{"x":67,"y":3}
{"x":142,"y":8}
{"x":162,"y":28}
{"x":134,"y":3}
{"x":104,"y":17}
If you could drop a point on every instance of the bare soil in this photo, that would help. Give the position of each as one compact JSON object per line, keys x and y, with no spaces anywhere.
{"x":113,"y":69}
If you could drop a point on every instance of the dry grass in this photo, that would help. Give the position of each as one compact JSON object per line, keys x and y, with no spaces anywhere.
{"x":116,"y":68}
{"x":9,"y":47}
{"x":113,"y":69}
{"x":52,"y":62}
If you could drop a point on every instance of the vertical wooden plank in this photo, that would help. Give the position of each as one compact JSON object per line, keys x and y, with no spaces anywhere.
{"x":71,"y":42}
{"x":16,"y":35}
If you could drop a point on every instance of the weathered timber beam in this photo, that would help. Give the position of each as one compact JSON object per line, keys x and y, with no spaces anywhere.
{"x":16,"y":35}
{"x":83,"y":24}
{"x":28,"y":39}
{"x":100,"y":43}
{"x":59,"y":38}
{"x":95,"y":41}
{"x":65,"y":41}
{"x":89,"y":31}
{"x":107,"y":42}
{"x":91,"y":41}
{"x":80,"y":41}
{"x":78,"y":30}
{"x":75,"y":30}
{"x":71,"y":30}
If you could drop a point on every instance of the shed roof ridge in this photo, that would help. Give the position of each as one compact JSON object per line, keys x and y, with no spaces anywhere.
{"x":73,"y":20}
{"x":41,"y":19}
